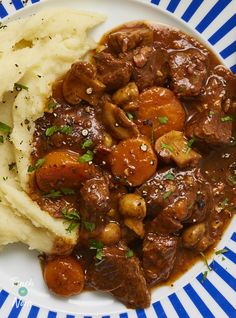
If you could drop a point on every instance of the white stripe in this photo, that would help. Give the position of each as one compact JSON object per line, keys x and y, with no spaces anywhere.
{"x":188,"y":305}
{"x":168,"y":308}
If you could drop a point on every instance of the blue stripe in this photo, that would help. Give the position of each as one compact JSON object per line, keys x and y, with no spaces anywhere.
{"x":173,"y":5}
{"x":3,"y":297}
{"x":233,"y":237}
{"x":52,"y":314}
{"x":228,"y":50}
{"x":88,"y":317}
{"x":219,"y":34}
{"x":105,"y":316}
{"x":233,"y":69}
{"x":230,"y":255}
{"x":201,"y":306}
{"x":34,"y":1}
{"x":155,"y":2}
{"x":159,"y":310}
{"x":3,"y":11}
{"x":16,"y":309}
{"x":195,"y":4}
{"x":217,"y":296}
{"x":178,"y":306}
{"x":70,"y":316}
{"x":17,"y":4}
{"x":227,"y":277}
{"x":141,"y":313}
{"x":33,"y":312}
{"x":124,"y":315}
{"x":212,"y":14}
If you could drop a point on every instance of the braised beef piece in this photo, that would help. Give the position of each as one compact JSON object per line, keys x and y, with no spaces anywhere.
{"x":111,"y":71}
{"x":175,"y":197}
{"x":150,"y":67}
{"x":188,"y":70}
{"x":129,"y":38}
{"x":212,"y":126}
{"x":95,"y":195}
{"x":83,"y":121}
{"x":159,"y":252}
{"x":121,"y":275}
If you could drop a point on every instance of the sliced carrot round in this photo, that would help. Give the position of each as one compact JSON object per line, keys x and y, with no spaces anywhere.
{"x":133,"y":161}
{"x":62,"y":169}
{"x":159,"y":112}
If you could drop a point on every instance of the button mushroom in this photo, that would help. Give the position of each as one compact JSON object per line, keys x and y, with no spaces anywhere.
{"x":126,"y":94}
{"x":80,"y":83}
{"x":175,"y":146}
{"x":132,"y":205}
{"x":117,"y":123}
{"x":193,"y":234}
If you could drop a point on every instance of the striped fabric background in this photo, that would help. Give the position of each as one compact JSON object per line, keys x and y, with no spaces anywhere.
{"x":215,"y":20}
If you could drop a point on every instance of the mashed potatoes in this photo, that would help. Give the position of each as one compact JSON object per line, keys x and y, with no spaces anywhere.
{"x":34,"y":52}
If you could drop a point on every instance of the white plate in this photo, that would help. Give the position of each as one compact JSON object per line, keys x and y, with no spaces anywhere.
{"x":214,"y":23}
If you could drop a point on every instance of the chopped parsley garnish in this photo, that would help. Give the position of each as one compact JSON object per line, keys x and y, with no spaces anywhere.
{"x":169,"y":176}
{"x":1,"y":139}
{"x":129,"y":253}
{"x":205,"y":261}
{"x":53,"y":194}
{"x":71,"y":216}
{"x":163,"y":120}
{"x":67,"y":191}
{"x":19,"y":87}
{"x":98,"y":246}
{"x":52,"y":105}
{"x":211,"y":113}
{"x":167,"y":146}
{"x":167,"y":194}
{"x":227,"y":118}
{"x":204,"y":276}
{"x":224,"y":203}
{"x":222,"y":251}
{"x":66,"y":129}
{"x":39,"y":163}
{"x":130,"y":116}
{"x":89,"y":226}
{"x":189,"y":144}
{"x":5,"y":128}
{"x":232,"y":180}
{"x":88,"y":156}
{"x":88,"y":143}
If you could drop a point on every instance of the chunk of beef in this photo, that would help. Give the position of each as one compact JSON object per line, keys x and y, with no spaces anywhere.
{"x":95,"y":196}
{"x":159,"y":252}
{"x":212,"y":126}
{"x":121,"y":276}
{"x":80,"y":83}
{"x":129,"y":38}
{"x":213,"y":92}
{"x":113,"y":72}
{"x":151,"y":67}
{"x":188,"y":71}
{"x":174,"y":197}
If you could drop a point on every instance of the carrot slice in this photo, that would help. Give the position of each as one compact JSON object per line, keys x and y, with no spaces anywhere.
{"x":159,"y":112}
{"x":133,"y":161}
{"x":62,"y":169}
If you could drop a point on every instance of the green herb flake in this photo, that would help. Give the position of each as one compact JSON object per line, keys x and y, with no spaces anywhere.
{"x":53,"y":194}
{"x":222,"y":251}
{"x":88,"y":143}
{"x":129,"y":253}
{"x":204,"y":276}
{"x":169,"y":176}
{"x":90,"y":227}
{"x":67,"y":191}
{"x":167,"y":146}
{"x":224,"y":203}
{"x":67,"y":130}
{"x":232,"y":180}
{"x":211,"y":113}
{"x":163,"y":120}
{"x":189,"y":145}
{"x":71,"y":216}
{"x":130,"y":116}
{"x":52,"y":105}
{"x":227,"y":119}
{"x":51,"y":130}
{"x":72,"y":226}
{"x":99,"y":255}
{"x":1,"y":139}
{"x":205,"y":261}
{"x":5,"y":128}
{"x":39,"y":163}
{"x":98,"y":246}
{"x":167,"y":194}
{"x":19,"y":87}
{"x":88,"y":156}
